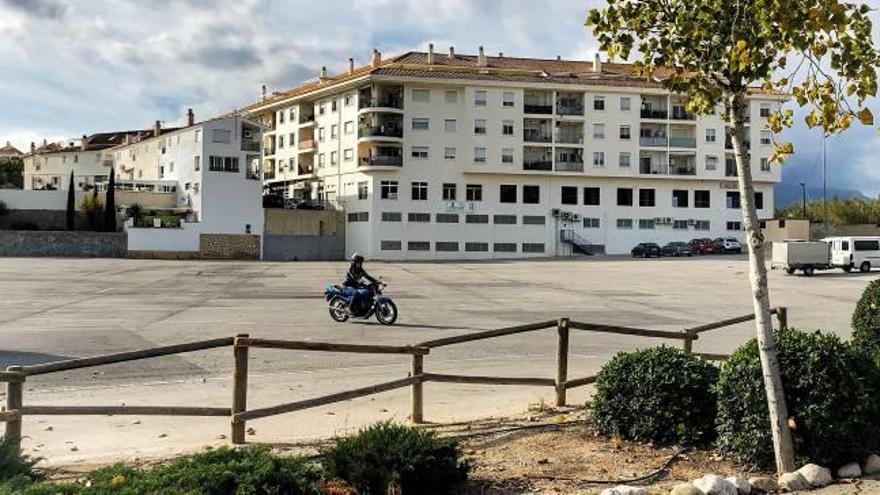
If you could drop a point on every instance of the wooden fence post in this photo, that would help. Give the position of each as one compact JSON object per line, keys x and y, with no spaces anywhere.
{"x":561,"y":360}
{"x":417,"y":390}
{"x":239,"y":388}
{"x":782,"y":316}
{"x":14,"y":392}
{"x":688,"y":344}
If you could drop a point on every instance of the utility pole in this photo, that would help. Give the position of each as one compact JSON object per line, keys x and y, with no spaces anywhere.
{"x":804,"y":194}
{"x":824,"y":186}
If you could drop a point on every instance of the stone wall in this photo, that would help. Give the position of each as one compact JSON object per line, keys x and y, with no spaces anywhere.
{"x":229,"y":246}
{"x":63,"y":244}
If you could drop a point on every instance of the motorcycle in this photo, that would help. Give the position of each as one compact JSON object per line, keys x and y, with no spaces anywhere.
{"x":370,"y":302}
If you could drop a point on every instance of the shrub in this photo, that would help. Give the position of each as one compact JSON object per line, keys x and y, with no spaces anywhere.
{"x":93,"y":208}
{"x":866,"y":318}
{"x":417,"y":461}
{"x":4,"y":210}
{"x":830,"y":389}
{"x":23,"y":226}
{"x":661,"y":395}
{"x":13,"y":464}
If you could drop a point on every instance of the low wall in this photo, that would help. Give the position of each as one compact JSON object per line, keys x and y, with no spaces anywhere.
{"x":63,"y":244}
{"x":303,"y":248}
{"x":817,"y":230}
{"x":229,"y":246}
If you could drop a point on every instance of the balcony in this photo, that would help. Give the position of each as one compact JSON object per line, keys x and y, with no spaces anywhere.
{"x":569,"y":138}
{"x":268,"y":150}
{"x":730,"y":169}
{"x":682,"y":142}
{"x":678,"y":113}
{"x":306,"y":145}
{"x":253,"y":146}
{"x":380,"y":131}
{"x":546,"y":165}
{"x":538,"y":109}
{"x":305,"y":170}
{"x":535,"y":136}
{"x":649,"y":113}
{"x":570,"y":110}
{"x":306,"y":120}
{"x":655,"y":141}
{"x":682,"y":168}
{"x":382,"y":161}
{"x":728,"y":144}
{"x":395,"y":101}
{"x":570,"y":166}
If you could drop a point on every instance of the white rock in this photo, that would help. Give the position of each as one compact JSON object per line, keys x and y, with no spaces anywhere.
{"x":712,"y":484}
{"x":872,"y":464}
{"x":851,"y":470}
{"x":792,"y":482}
{"x":817,"y":476}
{"x":625,"y":490}
{"x":764,"y":484}
{"x":742,"y":486}
{"x":685,"y":489}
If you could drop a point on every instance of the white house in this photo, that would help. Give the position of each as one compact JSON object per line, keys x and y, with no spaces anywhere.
{"x":449,"y":156}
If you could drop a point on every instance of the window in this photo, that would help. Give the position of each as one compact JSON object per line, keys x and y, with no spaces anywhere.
{"x":679,"y":225}
{"x":591,"y":223}
{"x":507,"y":155}
{"x":346,"y":101}
{"x":759,"y":200}
{"x":221,"y":136}
{"x":735,"y":226}
{"x":419,"y":217}
{"x":391,"y":216}
{"x":534,"y":220}
{"x":507,"y":193}
{"x":533,"y":247}
{"x":765,"y":165}
{"x":598,"y":158}
{"x":569,"y":195}
{"x":733,"y":199}
{"x":420,"y":124}
{"x":531,"y":195}
{"x":508,"y":99}
{"x":598,"y":131}
{"x":334,"y":131}
{"x":322,"y":108}
{"x":348,"y":154}
{"x":420,"y":191}
{"x":320,"y":160}
{"x":334,"y":158}
{"x":507,"y":128}
{"x":447,"y":218}
{"x":321,"y":134}
{"x":221,"y":164}
{"x":198,"y":135}
{"x":333,"y":105}
{"x":451,"y":96}
{"x":480,"y":98}
{"x":504,"y":247}
{"x":646,"y":197}
{"x":679,"y":198}
{"x":280,"y":142}
{"x":599,"y":103}
{"x":473,"y":192}
{"x":710,"y":135}
{"x":449,"y":125}
{"x":388,"y":189}
{"x":479,"y":126}
{"x":624,"y":159}
{"x":701,"y":199}
{"x":449,"y":153}
{"x":701,"y":225}
{"x":291,"y":139}
{"x":281,"y":117}
{"x":625,"y":223}
{"x":363,"y":192}
{"x":479,"y":155}
{"x":363,"y":216}
{"x":476,"y":247}
{"x":625,"y":103}
{"x":592,"y":196}
{"x":418,"y":246}
{"x":449,"y":192}
{"x":711,"y":162}
{"x":446,"y":246}
{"x":390,"y":245}
{"x":624,"y":133}
{"x":646,"y":223}
{"x":624,"y":196}
{"x":476,"y":219}
{"x":766,"y":137}
{"x":765,"y":110}
{"x":419,"y":152}
{"x":421,"y":95}
{"x":866,"y":246}
{"x":504,"y":219}
{"x":197,"y":163}
{"x":348,"y":127}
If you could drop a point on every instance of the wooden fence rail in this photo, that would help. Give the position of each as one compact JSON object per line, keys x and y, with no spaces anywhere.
{"x":239,"y":414}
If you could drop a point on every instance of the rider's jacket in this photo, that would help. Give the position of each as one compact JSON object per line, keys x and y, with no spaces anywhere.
{"x":355,"y":274}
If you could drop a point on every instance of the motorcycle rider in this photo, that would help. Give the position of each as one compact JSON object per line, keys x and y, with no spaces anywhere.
{"x":354,"y":280}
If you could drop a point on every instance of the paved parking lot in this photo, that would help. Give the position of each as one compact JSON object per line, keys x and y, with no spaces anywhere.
{"x":55,"y":308}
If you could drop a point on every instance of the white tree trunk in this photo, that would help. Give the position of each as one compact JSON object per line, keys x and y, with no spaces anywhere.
{"x":782,"y":444}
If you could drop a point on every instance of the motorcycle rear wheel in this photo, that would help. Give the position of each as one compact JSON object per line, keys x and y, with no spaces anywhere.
{"x":338,"y":310}
{"x":386,"y":312}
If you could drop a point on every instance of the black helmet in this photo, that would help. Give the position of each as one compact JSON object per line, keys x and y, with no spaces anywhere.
{"x":357,"y":258}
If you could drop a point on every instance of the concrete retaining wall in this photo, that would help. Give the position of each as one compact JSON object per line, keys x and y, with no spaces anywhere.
{"x":63,"y":244}
{"x":302,"y":248}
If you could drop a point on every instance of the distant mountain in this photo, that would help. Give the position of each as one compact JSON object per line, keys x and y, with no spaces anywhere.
{"x":784,"y":194}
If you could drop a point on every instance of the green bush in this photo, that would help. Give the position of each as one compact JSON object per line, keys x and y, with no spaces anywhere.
{"x":866,"y":318}
{"x":661,"y":395}
{"x":13,"y":464}
{"x":831,"y":391}
{"x":417,"y":461}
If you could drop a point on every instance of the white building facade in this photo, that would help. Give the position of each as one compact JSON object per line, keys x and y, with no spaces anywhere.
{"x":472,"y":157}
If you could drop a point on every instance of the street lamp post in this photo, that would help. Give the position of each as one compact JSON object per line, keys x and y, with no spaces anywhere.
{"x":804,"y":195}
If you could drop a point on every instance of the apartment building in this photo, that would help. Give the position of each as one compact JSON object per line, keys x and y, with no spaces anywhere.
{"x":450,"y":156}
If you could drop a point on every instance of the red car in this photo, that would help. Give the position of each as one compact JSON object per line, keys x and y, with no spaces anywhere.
{"x":703,"y":246}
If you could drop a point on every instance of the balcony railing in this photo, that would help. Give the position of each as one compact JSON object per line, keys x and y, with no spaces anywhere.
{"x":570,"y":110}
{"x":268,"y":150}
{"x":682,"y":142}
{"x":305,"y":170}
{"x":537,"y":165}
{"x":653,"y":141}
{"x":536,"y":137}
{"x":306,"y":119}
{"x":570,"y":139}
{"x":682,"y":169}
{"x":250,"y":146}
{"x":730,"y":170}
{"x":680,"y":114}
{"x":653,"y":168}
{"x":668,"y":169}
{"x":538,"y":109}
{"x":386,"y":102}
{"x":648,"y":113}
{"x":728,"y":144}
{"x":382,"y":161}
{"x":306,"y":144}
{"x":380,"y":131}
{"x":570,"y":166}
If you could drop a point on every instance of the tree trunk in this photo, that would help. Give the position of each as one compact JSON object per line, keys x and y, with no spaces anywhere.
{"x":782,"y":444}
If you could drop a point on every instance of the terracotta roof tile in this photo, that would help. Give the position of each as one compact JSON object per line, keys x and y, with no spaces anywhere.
{"x":9,"y":149}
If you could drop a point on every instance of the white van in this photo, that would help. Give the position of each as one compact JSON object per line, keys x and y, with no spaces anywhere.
{"x":855,"y":252}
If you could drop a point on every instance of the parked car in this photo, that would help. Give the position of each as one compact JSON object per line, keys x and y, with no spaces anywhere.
{"x":646,"y":250}
{"x":677,"y":249}
{"x":304,"y":204}
{"x":727,"y":245}
{"x":702,"y":246}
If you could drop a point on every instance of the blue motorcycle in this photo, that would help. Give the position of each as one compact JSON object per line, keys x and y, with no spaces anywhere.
{"x":369,"y":302}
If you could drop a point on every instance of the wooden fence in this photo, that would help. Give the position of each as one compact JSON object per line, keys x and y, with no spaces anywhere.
{"x":16,"y":376}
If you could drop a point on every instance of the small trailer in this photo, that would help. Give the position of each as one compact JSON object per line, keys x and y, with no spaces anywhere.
{"x":807,"y":256}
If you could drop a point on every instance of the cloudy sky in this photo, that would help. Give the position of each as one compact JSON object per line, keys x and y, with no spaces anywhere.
{"x":72,"y":67}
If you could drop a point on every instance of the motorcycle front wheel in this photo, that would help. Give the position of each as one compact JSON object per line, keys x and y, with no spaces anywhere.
{"x":386,"y":312}
{"x":337,"y":310}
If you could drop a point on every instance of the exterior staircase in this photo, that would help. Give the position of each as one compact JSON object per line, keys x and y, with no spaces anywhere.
{"x":579,"y":244}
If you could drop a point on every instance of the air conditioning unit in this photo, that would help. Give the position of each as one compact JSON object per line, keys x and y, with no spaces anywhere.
{"x":658,"y":220}
{"x":691,"y":221}
{"x":566,"y":215}
{"x":555,"y":212}
{"x":247,"y":133}
{"x":575,"y":216}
